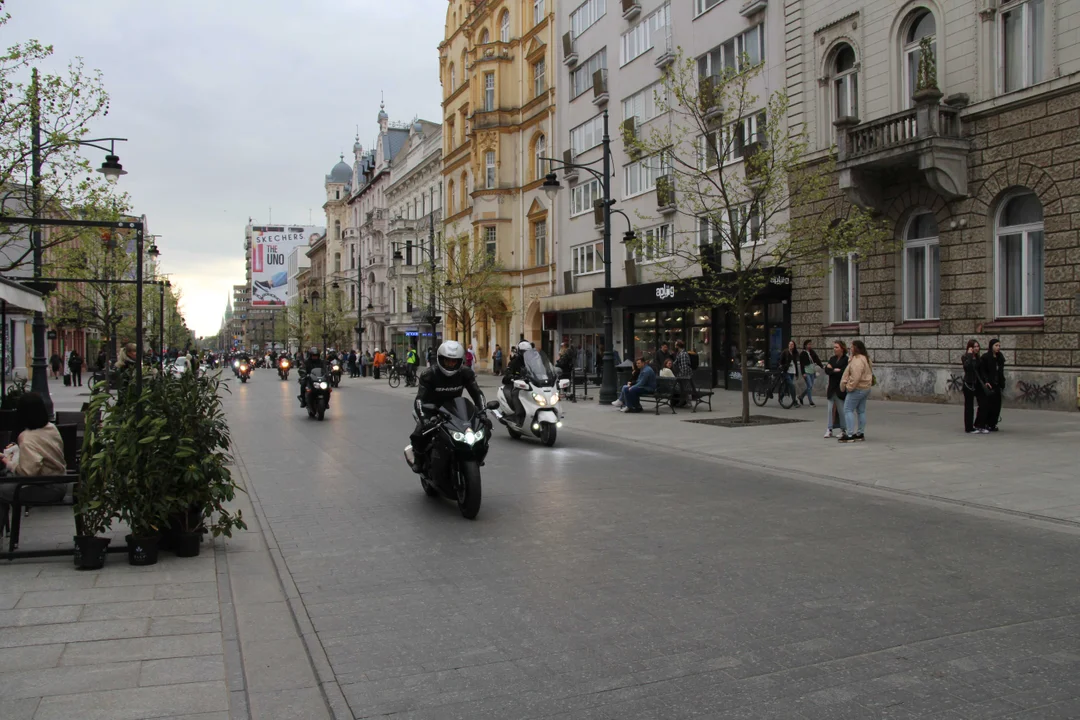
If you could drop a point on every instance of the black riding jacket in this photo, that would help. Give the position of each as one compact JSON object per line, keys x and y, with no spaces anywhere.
{"x":311,"y":363}
{"x":515,"y":368}
{"x":435,"y":388}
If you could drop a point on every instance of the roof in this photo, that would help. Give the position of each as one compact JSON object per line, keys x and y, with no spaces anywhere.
{"x":395,"y":140}
{"x":341,"y":173}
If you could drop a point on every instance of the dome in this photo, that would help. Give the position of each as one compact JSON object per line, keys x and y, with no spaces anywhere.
{"x":341,"y":173}
{"x":418,"y":127}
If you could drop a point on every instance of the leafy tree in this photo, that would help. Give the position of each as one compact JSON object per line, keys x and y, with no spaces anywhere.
{"x":735,"y":169}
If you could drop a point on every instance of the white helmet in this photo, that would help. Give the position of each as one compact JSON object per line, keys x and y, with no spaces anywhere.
{"x":524,"y":346}
{"x":451,"y":357}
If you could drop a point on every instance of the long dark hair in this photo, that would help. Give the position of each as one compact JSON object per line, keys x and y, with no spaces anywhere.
{"x":790,"y":344}
{"x":973,"y":343}
{"x":858,"y":347}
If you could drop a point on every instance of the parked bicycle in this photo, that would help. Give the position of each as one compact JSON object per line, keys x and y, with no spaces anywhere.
{"x":772,"y":384}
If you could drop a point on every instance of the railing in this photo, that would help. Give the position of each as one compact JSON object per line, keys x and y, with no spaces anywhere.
{"x":949,"y":122}
{"x":403,"y":225}
{"x":899,"y":129}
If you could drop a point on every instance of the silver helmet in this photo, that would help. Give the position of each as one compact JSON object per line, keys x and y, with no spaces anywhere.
{"x":451,"y":357}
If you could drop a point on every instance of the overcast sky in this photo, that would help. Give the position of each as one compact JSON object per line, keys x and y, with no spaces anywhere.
{"x":234,"y":107}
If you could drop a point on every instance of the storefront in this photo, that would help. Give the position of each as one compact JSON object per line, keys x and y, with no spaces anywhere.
{"x":411,"y":337}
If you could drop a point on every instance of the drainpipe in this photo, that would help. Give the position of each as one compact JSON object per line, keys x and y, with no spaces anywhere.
{"x":522,"y":161}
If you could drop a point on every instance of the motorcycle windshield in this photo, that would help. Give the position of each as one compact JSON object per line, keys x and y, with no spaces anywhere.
{"x":317,"y":373}
{"x":539,"y":369}
{"x":461,"y":409}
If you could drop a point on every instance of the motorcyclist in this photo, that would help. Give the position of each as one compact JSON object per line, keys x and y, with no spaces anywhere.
{"x":241,"y":358}
{"x":445,"y":381}
{"x":515,"y":370}
{"x":311,"y":362}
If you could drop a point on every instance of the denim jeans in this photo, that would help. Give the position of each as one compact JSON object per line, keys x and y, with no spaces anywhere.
{"x":836,"y":403}
{"x":808,"y":393}
{"x":630,"y":397}
{"x":790,"y":378}
{"x":855,"y":403}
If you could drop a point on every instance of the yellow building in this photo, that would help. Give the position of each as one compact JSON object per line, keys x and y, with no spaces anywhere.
{"x":497,"y":69}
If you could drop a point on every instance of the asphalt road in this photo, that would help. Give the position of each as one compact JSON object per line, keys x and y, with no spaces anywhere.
{"x":602,"y":580}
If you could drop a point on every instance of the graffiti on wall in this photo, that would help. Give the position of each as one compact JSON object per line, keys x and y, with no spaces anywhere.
{"x":954,"y":384}
{"x":1036,"y":394}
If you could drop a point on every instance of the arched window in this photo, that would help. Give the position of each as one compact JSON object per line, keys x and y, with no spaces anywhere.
{"x":337,"y":262}
{"x":845,"y":83}
{"x":1019,"y":256}
{"x":920,"y":25}
{"x":464,"y":191}
{"x":337,"y":229}
{"x":450,"y":197}
{"x":922,"y":268}
{"x":464,"y":67}
{"x":539,"y":151}
{"x":452,"y":75}
{"x":485,"y":37}
{"x":504,"y":26}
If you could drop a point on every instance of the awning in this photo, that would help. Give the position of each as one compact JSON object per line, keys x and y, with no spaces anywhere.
{"x":573,"y":301}
{"x":19,"y":297}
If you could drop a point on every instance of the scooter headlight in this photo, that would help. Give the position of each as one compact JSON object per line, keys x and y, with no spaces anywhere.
{"x":539,"y":399}
{"x":554,"y":399}
{"x":323,"y":386}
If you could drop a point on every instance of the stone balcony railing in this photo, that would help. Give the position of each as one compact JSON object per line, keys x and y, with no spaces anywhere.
{"x":402,"y":225}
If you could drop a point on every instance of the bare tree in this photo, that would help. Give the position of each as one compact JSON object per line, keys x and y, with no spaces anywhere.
{"x":730,"y":163}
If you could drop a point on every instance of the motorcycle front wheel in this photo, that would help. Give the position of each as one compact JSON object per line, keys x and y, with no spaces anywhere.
{"x":468,"y":491}
{"x":429,"y":490}
{"x":243,"y":378}
{"x":547,"y":434}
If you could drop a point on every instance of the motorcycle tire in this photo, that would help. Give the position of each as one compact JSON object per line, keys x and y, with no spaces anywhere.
{"x":547,"y":434}
{"x":395,"y":380}
{"x":320,"y":414}
{"x":761,"y":391}
{"x":310,"y":412}
{"x":468,"y":491}
{"x":514,"y":434}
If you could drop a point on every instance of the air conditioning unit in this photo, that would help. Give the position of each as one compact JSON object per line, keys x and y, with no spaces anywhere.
{"x":629,"y":134}
{"x":599,"y":87}
{"x":570,"y":56}
{"x":665,"y":195}
{"x":709,"y":97}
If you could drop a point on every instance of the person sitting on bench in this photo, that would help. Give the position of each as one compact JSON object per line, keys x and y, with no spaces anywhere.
{"x":629,"y":397}
{"x":40,"y":451}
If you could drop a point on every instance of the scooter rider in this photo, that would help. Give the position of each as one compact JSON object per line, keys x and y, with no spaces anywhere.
{"x":445,"y":381}
{"x":515,"y":369}
{"x":311,"y":362}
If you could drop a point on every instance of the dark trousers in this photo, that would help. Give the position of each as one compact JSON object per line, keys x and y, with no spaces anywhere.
{"x":76,"y":377}
{"x":971,"y":419}
{"x":989,"y":410}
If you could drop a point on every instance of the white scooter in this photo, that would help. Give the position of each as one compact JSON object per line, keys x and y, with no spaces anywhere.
{"x":538,"y":393}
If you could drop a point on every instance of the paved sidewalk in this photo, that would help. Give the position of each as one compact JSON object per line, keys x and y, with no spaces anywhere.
{"x":1031,"y":467}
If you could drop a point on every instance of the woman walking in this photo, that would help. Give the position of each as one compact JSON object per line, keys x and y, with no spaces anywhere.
{"x":810,"y":364}
{"x":856,"y":382}
{"x":790,"y":366}
{"x":992,"y":365}
{"x":835,"y":394}
{"x":975,"y":389}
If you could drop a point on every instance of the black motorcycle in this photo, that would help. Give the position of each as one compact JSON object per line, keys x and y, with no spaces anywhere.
{"x":283,"y":368}
{"x":335,"y":373}
{"x":316,"y":391}
{"x":243,"y":370}
{"x":458,"y":448}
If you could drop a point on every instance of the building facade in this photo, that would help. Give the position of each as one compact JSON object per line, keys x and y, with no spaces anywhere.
{"x":414,"y":200}
{"x":496,"y":63}
{"x":611,"y":66}
{"x":957,"y":124}
{"x":241,"y":306}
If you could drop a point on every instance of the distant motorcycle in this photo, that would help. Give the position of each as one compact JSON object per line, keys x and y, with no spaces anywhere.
{"x":243,"y":371}
{"x":316,"y":391}
{"x":283,"y":368}
{"x":335,"y":373}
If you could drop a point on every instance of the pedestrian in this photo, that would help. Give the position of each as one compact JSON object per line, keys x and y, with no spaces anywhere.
{"x":67,"y":368}
{"x":694,"y":360}
{"x":856,"y":381}
{"x":975,"y":389}
{"x":102,"y":361}
{"x":992,"y":365}
{"x":629,"y":399}
{"x":810,"y":364}
{"x":54,"y":365}
{"x":39,"y":451}
{"x":666,"y":371}
{"x":835,"y":394}
{"x":663,"y":354}
{"x":791,"y":366}
{"x":470,"y":358}
{"x":683,"y":371}
{"x":496,"y":360}
{"x":376,"y":363}
{"x":75,"y":362}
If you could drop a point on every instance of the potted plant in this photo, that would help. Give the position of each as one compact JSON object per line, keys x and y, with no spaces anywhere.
{"x":94,"y":510}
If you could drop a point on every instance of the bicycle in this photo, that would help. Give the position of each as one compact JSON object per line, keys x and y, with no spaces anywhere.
{"x":774,"y":382}
{"x":393,"y":375}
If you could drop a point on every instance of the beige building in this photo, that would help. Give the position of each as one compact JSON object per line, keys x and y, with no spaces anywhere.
{"x":958,"y":123}
{"x":496,"y":64}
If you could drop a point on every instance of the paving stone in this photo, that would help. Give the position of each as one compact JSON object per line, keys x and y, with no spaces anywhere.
{"x":18,"y":708}
{"x":72,"y":632}
{"x":185,"y":624}
{"x":67,"y":680}
{"x":151,"y":608}
{"x":47,"y":598}
{"x":70,"y":581}
{"x":184,"y":576}
{"x":8,"y":600}
{"x":304,"y":703}
{"x":174,"y":671}
{"x":276,"y":665}
{"x":146,"y":648}
{"x":136,"y":703}
{"x":185,"y":590}
{"x":39,"y":616}
{"x":29,"y":657}
{"x":266,"y":621}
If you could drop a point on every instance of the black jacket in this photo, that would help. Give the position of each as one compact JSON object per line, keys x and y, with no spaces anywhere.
{"x":973,"y":377}
{"x":786,"y":358}
{"x":993,"y":369}
{"x":312,"y":363}
{"x":515,"y":368}
{"x":435,"y":388}
{"x":836,"y":372}
{"x":809,"y":357}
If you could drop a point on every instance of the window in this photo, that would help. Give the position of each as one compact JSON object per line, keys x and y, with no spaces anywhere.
{"x":539,"y":151}
{"x":485,"y":37}
{"x":587,"y":135}
{"x":489,"y":91}
{"x":922,"y":268}
{"x":538,"y":11}
{"x":540,"y":242}
{"x":845,"y":84}
{"x":453,"y":77}
{"x":844,"y":288}
{"x":450,"y":137}
{"x":464,"y":191}
{"x":337,"y":262}
{"x":701,"y":6}
{"x":920,"y":25}
{"x":489,"y":169}
{"x":586,"y":14}
{"x":490,"y":246}
{"x":539,"y":85}
{"x":641,"y":176}
{"x":656,"y":243}
{"x":582,"y":196}
{"x":408,"y":252}
{"x":743,"y":222}
{"x":504,"y":26}
{"x":450,"y":197}
{"x":352,"y":256}
{"x":337,"y":229}
{"x":709,"y":232}
{"x":729,"y":56}
{"x":733,"y":142}
{"x":1019,"y":262}
{"x":408,"y":299}
{"x":588,"y":258}
{"x":642,"y":104}
{"x":1023,"y":45}
{"x":581,"y":76}
{"x":639,"y":39}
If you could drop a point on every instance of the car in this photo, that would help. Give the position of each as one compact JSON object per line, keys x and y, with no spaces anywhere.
{"x":179,"y":366}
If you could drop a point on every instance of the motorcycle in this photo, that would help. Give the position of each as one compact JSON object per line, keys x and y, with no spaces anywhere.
{"x":243,"y":371}
{"x":316,"y":392}
{"x":457,"y":451}
{"x":335,"y":373}
{"x":283,"y":368}
{"x":538,"y":411}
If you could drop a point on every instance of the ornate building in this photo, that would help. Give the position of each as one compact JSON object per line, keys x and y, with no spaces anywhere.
{"x":498,"y":122}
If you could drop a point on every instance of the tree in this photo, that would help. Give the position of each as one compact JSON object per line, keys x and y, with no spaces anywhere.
{"x":467,"y":284}
{"x":731,"y":163}
{"x":64,"y":106}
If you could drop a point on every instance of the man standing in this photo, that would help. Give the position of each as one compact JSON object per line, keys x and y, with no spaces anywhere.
{"x":683,"y":371}
{"x":496,"y":360}
{"x":75,"y":362}
{"x":377,"y":362}
{"x":411,"y":361}
{"x":663,"y":354}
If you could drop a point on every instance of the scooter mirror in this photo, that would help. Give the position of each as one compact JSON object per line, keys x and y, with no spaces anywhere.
{"x":492,"y":405}
{"x":563,"y":384}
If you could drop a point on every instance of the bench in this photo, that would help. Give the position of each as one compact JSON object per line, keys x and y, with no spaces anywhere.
{"x":699,"y":396}
{"x":11,"y":517}
{"x":663,"y":395}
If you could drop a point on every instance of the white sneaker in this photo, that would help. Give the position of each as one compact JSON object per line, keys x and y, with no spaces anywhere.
{"x":828,"y":434}
{"x":617,"y":403}
{"x":984,"y":431}
{"x":625,"y":409}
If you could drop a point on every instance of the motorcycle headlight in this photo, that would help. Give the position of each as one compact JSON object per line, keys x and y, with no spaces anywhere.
{"x":479,"y":434}
{"x":236,"y":363}
{"x":337,"y":368}
{"x":323,"y":386}
{"x":460,"y":437}
{"x":539,"y":399}
{"x":243,"y":368}
{"x":470,"y":437}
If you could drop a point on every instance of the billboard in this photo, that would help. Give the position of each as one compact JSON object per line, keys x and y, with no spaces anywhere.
{"x":270,"y":248}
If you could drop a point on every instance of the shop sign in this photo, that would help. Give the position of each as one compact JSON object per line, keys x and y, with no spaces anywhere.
{"x":665,"y":292}
{"x":780,"y":280}
{"x":52,"y":334}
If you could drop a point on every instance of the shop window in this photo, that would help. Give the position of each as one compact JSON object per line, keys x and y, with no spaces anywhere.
{"x":922,"y":268}
{"x":844,"y":289}
{"x":1019,"y":262}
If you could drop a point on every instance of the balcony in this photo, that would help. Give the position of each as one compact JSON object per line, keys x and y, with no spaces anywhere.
{"x":352,"y":233}
{"x":402,"y":225}
{"x":372,"y":215}
{"x":631,"y":9}
{"x":487,"y":119}
{"x":928,"y":139}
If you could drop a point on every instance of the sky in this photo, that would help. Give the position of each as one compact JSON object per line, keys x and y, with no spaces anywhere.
{"x":237,"y":109}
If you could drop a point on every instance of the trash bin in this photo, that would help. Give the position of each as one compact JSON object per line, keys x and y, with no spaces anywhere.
{"x":623,"y":375}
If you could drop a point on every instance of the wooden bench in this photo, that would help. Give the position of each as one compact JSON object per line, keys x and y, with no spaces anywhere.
{"x":663,"y":395}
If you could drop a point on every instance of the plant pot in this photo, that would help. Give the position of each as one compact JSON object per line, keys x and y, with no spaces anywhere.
{"x":170,"y":534}
{"x":142,"y":550}
{"x":186,"y":544}
{"x":90,"y":552}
